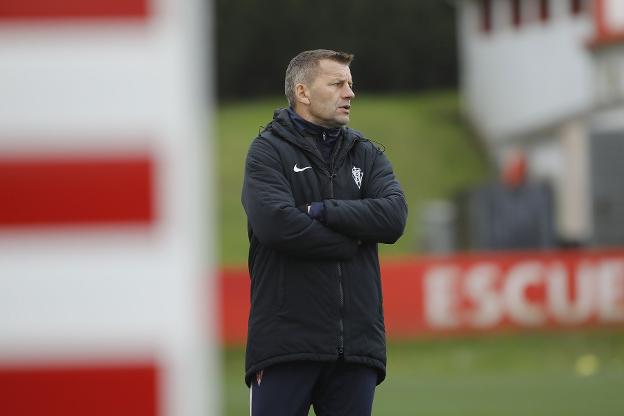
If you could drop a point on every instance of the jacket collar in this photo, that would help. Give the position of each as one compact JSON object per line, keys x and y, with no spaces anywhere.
{"x":306,"y":127}
{"x":283,"y":127}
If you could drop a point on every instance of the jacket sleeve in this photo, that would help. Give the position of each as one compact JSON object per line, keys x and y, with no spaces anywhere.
{"x":276,"y":221}
{"x":379,"y":216}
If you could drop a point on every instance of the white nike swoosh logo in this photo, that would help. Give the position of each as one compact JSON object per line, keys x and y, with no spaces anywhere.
{"x":296,"y":169}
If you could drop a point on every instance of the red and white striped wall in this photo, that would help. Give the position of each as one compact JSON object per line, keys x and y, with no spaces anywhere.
{"x":103,"y":209}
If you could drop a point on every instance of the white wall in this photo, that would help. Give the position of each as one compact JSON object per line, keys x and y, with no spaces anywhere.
{"x":515,"y":80}
{"x":614,"y":15}
{"x":609,"y":74}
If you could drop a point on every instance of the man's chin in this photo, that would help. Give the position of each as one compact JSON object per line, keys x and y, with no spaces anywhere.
{"x":342,"y":121}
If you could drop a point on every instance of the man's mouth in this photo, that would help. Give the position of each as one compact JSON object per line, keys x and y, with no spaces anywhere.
{"x":346,"y":107}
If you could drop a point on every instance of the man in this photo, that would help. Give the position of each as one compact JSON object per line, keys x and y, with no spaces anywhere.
{"x":318,"y":198}
{"x":513,"y":213}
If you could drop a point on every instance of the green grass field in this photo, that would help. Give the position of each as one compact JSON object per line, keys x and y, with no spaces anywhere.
{"x":432,"y":152}
{"x":543,"y":374}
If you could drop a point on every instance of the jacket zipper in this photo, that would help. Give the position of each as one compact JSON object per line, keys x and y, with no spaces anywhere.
{"x":340,"y":348}
{"x":340,"y":322}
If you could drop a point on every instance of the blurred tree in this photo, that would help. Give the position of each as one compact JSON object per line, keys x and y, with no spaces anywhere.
{"x":399,"y":44}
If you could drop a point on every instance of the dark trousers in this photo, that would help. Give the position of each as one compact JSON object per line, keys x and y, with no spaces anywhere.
{"x":333,"y":389}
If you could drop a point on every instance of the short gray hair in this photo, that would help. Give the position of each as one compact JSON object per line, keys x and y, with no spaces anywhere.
{"x":302,"y":68}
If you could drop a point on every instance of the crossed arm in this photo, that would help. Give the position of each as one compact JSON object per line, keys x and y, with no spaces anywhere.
{"x":277,"y":222}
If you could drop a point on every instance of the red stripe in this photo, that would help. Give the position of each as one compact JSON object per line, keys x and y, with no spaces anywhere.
{"x":608,"y":39}
{"x":602,"y":30}
{"x":77,"y":191}
{"x":120,"y":390}
{"x":544,"y":10}
{"x":55,"y":9}
{"x":486,"y":15}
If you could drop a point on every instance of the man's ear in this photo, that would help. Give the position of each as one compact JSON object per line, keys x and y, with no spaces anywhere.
{"x":302,"y":94}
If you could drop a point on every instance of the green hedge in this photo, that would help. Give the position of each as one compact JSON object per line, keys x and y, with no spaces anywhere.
{"x":399,"y":44}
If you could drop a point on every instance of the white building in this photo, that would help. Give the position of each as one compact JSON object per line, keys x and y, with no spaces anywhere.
{"x":548,"y":76}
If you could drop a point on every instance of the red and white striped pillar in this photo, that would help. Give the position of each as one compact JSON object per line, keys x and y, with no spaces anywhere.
{"x":104,"y":212}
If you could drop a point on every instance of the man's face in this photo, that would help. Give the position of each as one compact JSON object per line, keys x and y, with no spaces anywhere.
{"x":330,"y":95}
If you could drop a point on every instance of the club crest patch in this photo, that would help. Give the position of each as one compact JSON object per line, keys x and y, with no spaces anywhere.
{"x":357,"y":176}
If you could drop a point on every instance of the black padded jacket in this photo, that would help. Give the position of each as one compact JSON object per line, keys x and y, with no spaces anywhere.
{"x":315,"y":286}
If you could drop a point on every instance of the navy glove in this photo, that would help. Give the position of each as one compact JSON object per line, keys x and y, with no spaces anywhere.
{"x":316,"y":210}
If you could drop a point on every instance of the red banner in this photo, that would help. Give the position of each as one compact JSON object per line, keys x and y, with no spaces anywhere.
{"x":478,"y":293}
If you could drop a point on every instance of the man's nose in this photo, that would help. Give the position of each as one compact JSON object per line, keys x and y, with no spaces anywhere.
{"x":349,"y":92}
